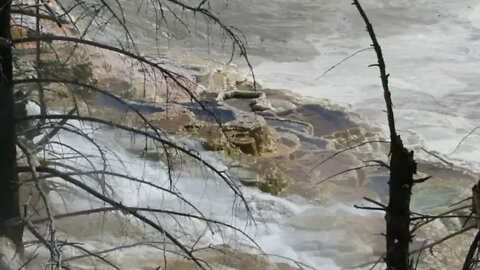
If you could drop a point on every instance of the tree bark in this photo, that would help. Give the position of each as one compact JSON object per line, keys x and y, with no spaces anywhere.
{"x":10,"y":225}
{"x":402,"y":169}
{"x":470,"y":261}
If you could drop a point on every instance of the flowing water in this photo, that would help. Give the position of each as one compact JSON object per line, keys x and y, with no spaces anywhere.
{"x":430,"y":47}
{"x":431,"y":50}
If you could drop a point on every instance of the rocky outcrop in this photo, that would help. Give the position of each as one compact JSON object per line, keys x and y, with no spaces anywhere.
{"x":261,"y":104}
{"x":274,"y":181}
{"x":239,"y":94}
{"x":253,"y":137}
{"x":224,"y":78}
{"x":250,"y":134}
{"x":352,"y":136}
{"x":268,"y":124}
{"x":259,"y":101}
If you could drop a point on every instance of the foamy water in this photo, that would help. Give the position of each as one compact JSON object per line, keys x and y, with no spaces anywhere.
{"x":431,"y":50}
{"x":317,"y":235}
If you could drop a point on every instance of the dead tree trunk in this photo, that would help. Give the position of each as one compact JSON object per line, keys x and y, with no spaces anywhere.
{"x":397,"y":217}
{"x":470,"y":261}
{"x":402,"y":169}
{"x":10,"y":225}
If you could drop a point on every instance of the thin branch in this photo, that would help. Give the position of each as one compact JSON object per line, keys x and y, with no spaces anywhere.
{"x":342,"y":151}
{"x":151,"y":210}
{"x":421,"y":180}
{"x":432,"y":218}
{"x":346,"y":171}
{"x":342,"y":61}
{"x":53,"y":132}
{"x":441,"y":240}
{"x":92,"y":254}
{"x":383,"y":73}
{"x":438,"y":157}
{"x":469,"y":262}
{"x":26,"y":12}
{"x":463,"y":139}
{"x":124,"y":209}
{"x":220,"y":173}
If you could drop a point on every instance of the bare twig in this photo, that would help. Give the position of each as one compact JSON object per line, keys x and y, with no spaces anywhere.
{"x":342,"y":151}
{"x":346,"y":171}
{"x":469,"y":262}
{"x":441,"y":240}
{"x":342,"y":61}
{"x":463,"y":139}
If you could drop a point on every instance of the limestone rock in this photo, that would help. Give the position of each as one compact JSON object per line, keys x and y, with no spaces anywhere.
{"x":281,"y":106}
{"x":261,"y":104}
{"x":248,"y":133}
{"x":252,"y":135}
{"x":225,"y":78}
{"x":347,"y":137}
{"x":240,"y":94}
{"x":247,"y":85}
{"x":246,"y":144}
{"x":273,"y":182}
{"x":268,"y":179}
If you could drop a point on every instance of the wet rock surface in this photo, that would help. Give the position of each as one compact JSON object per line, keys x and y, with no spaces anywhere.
{"x":272,"y":128}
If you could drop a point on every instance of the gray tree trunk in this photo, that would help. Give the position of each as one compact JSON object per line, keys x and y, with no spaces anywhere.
{"x":10,"y":226}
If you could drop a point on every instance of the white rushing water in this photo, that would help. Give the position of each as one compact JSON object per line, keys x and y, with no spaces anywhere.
{"x":317,"y":235}
{"x":430,"y":47}
{"x":431,"y":50}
